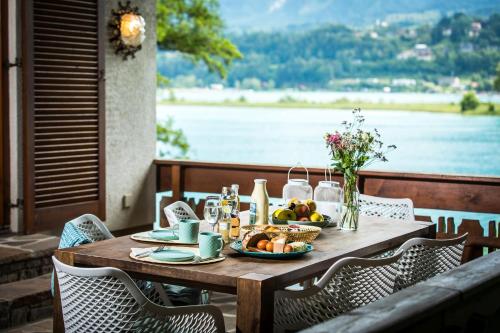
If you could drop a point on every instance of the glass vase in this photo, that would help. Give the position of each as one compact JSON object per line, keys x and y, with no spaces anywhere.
{"x":350,"y":208}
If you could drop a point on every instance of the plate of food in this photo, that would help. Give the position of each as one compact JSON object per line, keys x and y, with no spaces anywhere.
{"x":301,"y":213}
{"x":261,"y":245}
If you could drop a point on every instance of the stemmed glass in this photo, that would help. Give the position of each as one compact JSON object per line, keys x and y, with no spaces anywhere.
{"x":212,"y":211}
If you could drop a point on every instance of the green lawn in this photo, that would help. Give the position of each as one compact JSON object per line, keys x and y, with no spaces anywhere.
{"x":447,"y":108}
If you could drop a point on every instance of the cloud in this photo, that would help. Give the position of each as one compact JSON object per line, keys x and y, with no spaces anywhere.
{"x":276,"y":5}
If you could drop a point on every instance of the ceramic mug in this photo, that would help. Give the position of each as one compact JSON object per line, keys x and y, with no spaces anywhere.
{"x":188,"y":231}
{"x":211,"y":244}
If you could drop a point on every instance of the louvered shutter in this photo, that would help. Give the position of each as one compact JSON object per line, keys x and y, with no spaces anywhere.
{"x":63,"y":57}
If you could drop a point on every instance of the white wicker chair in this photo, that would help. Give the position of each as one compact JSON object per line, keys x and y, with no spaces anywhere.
{"x":107,"y":300}
{"x":177,"y":211}
{"x":95,"y":230}
{"x":348,"y":284}
{"x":424,"y":258}
{"x":398,"y":209}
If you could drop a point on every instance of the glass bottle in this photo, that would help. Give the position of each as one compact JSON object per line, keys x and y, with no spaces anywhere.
{"x":225,"y":222}
{"x":259,"y":203}
{"x":235,"y":212}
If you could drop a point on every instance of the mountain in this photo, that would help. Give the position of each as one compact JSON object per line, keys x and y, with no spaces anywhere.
{"x":254,"y":15}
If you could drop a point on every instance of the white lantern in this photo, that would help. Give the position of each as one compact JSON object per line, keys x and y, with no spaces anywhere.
{"x":297,"y":188}
{"x":328,"y":198}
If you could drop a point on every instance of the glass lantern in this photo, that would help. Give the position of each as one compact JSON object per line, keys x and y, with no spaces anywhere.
{"x":328,"y":198}
{"x":297,"y":188}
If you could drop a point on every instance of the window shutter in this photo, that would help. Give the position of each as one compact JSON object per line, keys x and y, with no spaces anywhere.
{"x":63,"y":100}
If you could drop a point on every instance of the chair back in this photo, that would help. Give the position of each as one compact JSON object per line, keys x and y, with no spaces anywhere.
{"x":107,"y":300}
{"x":97,"y":299}
{"x":92,"y":227}
{"x":398,"y":209}
{"x":424,"y":258}
{"x":348,"y":284}
{"x":178,"y":211}
{"x":94,"y":230}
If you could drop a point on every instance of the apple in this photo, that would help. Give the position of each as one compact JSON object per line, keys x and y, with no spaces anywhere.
{"x":301,"y":210}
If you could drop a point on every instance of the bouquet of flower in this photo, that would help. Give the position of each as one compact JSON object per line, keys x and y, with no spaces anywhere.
{"x":351,"y":150}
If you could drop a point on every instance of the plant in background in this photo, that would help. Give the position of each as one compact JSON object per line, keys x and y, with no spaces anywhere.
{"x":351,"y":150}
{"x":469,"y":102}
{"x":174,"y":142}
{"x":496,"y":83}
{"x":195,"y":28}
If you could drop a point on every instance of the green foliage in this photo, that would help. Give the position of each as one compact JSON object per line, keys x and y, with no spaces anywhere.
{"x":195,"y":28}
{"x":175,"y":144}
{"x":496,"y":83}
{"x":469,"y":102}
{"x":161,"y":81}
{"x":322,"y":57}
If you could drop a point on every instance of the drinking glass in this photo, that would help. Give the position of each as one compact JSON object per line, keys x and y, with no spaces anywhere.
{"x":212,"y":211}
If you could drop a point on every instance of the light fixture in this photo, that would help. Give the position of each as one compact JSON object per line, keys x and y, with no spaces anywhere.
{"x":128,"y":30}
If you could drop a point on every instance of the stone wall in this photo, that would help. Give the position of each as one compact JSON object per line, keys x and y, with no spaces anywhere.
{"x":130,"y":127}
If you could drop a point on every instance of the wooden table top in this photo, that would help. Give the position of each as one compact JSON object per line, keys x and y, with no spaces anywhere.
{"x":374,"y":235}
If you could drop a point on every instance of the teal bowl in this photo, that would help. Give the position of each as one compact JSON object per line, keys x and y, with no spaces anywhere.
{"x":236,"y":246}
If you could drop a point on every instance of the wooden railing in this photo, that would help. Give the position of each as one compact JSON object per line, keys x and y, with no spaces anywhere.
{"x":428,"y":191}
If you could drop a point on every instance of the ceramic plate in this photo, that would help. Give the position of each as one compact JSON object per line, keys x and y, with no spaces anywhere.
{"x":173,"y":255}
{"x":193,"y":261}
{"x":268,"y":255}
{"x":163,"y":235}
{"x":145,"y":237}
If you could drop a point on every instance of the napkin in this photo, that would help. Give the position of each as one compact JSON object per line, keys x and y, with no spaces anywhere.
{"x":137,"y":251}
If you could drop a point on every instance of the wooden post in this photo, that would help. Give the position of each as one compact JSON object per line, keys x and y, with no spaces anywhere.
{"x":177,"y":185}
{"x":255,"y":310}
{"x":476,"y":234}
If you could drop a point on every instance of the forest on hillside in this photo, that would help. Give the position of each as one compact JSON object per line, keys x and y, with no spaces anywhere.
{"x":423,"y":58}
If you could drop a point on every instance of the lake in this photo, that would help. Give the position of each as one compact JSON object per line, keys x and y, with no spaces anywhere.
{"x":252,"y":96}
{"x":427,"y":142}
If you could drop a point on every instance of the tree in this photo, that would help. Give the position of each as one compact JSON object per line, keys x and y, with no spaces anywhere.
{"x":469,"y":102}
{"x":174,"y":140}
{"x":496,"y":83}
{"x":195,"y":28}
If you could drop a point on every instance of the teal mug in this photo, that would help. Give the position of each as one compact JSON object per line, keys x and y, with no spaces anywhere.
{"x":188,"y":231}
{"x":211,"y":244}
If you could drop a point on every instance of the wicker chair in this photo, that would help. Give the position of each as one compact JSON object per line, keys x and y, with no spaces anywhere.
{"x":177,"y":211}
{"x":424,"y":258}
{"x":93,"y":228}
{"x":348,"y":284}
{"x":398,"y":209}
{"x":107,"y":300}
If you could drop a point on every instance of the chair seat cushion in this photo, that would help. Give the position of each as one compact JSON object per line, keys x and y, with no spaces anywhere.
{"x":180,"y":295}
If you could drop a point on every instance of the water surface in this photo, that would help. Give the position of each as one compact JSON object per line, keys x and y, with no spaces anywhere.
{"x":427,"y":142}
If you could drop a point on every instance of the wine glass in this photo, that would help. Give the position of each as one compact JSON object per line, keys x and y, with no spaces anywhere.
{"x":212,"y":211}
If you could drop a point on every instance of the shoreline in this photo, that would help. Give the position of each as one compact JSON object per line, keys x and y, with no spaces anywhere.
{"x":348,"y":105}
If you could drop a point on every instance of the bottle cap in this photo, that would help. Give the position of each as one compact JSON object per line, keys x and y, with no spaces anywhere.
{"x":260,"y":181}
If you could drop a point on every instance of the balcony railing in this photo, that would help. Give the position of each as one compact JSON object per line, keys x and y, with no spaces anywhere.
{"x":452,"y":193}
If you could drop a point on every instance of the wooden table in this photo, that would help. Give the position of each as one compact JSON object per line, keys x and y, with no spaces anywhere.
{"x":253,"y":280}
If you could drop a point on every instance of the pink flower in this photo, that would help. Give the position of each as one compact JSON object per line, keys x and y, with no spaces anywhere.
{"x":334,"y":139}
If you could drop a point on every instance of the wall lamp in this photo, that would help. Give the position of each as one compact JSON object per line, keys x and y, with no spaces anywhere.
{"x":127,"y":30}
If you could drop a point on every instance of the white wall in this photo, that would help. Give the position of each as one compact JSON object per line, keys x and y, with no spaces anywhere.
{"x":131,"y":128}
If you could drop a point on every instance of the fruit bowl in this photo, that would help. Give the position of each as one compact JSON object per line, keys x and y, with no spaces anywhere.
{"x":322,"y":224}
{"x":300,"y":213}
